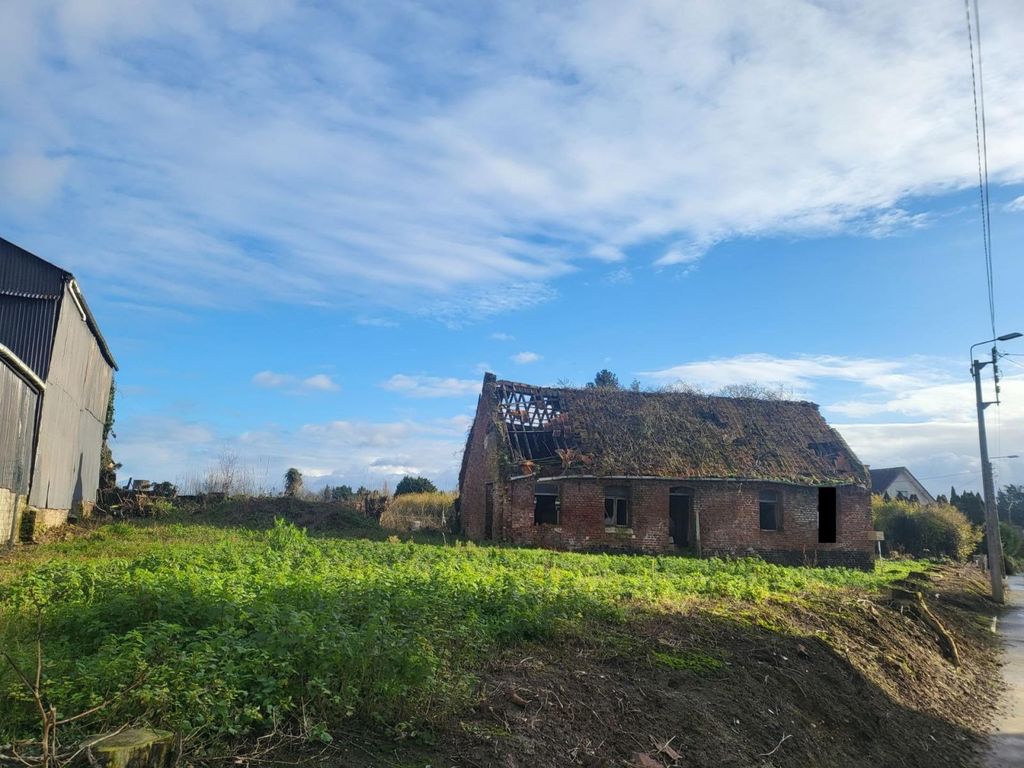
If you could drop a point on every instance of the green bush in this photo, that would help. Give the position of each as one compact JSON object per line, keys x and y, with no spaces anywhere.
{"x":1013,"y":542}
{"x":935,"y":530}
{"x":410,"y":484}
{"x":1013,"y":548}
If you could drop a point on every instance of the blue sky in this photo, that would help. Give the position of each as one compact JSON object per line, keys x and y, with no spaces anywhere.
{"x":307,"y":229}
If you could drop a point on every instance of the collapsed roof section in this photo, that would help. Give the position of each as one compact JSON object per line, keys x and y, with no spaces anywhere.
{"x":534,"y":422}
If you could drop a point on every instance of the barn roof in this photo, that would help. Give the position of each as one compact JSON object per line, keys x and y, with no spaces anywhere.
{"x":612,"y":432}
{"x":31,"y":289}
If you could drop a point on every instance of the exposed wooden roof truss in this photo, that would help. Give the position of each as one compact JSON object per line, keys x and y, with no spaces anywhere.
{"x":534,"y":421}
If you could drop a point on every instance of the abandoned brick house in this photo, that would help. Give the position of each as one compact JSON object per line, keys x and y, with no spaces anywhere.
{"x":607,"y":469}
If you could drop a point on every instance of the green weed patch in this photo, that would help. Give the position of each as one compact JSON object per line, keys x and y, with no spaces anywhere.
{"x":221,"y":633}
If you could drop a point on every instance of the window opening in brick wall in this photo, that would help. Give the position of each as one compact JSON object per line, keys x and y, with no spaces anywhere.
{"x":547,"y":508}
{"x":827,"y":515}
{"x":771,"y":510}
{"x":616,"y":506}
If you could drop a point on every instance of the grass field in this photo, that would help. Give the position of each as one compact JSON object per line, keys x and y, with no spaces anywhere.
{"x":221,"y":632}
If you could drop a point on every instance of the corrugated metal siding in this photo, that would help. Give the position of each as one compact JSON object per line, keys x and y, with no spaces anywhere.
{"x":67,"y":462}
{"x":27,"y":329}
{"x":25,"y":274}
{"x":18,"y":401}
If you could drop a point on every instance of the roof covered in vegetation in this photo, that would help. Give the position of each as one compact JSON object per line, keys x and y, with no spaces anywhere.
{"x":614,"y":432}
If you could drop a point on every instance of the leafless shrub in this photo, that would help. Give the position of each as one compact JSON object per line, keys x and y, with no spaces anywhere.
{"x":229,"y":476}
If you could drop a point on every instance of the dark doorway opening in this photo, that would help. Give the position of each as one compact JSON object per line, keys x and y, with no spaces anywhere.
{"x":827,"y":515}
{"x":489,"y":511}
{"x":680,"y":504}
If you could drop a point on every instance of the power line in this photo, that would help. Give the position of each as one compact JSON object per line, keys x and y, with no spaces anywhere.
{"x":951,"y":474}
{"x":981,"y":143}
{"x":984,"y":154}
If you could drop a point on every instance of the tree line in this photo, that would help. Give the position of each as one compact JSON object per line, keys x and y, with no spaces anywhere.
{"x":1009,"y":504}
{"x":293,"y":486}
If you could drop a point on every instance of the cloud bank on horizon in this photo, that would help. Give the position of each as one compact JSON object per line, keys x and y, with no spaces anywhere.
{"x":915,"y":413}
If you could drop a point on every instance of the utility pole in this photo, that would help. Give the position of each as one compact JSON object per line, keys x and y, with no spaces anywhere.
{"x":995,"y":544}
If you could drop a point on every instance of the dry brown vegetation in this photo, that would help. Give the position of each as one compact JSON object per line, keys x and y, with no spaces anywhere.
{"x":419,"y":512}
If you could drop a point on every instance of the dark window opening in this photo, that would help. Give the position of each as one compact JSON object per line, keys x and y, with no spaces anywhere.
{"x":827,"y":515}
{"x":616,"y":506}
{"x":547,"y":509}
{"x":771,"y":517}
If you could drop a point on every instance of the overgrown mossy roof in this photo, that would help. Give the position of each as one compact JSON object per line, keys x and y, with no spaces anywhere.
{"x":614,"y":432}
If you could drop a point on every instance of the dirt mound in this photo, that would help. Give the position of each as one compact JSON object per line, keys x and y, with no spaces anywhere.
{"x":823,"y":682}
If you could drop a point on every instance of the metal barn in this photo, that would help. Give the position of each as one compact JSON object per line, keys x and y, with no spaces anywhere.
{"x":55,"y":375}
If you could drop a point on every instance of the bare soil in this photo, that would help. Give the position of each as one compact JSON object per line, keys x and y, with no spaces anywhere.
{"x":858,"y":681}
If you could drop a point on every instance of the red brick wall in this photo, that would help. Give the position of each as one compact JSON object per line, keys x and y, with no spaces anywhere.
{"x":729,"y":520}
{"x":480,"y":469}
{"x":730,"y":524}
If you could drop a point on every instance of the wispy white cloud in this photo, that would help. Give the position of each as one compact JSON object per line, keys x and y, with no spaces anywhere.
{"x":798,"y":373}
{"x":682,"y":253}
{"x":319,"y":382}
{"x":431,"y":386}
{"x":455,"y":312}
{"x":607,"y":252}
{"x":895,"y":221}
{"x":525,"y":357}
{"x":619,"y":276}
{"x":502,"y":150}
{"x":272,"y":380}
{"x":1016,"y":205}
{"x":501,"y":336}
{"x":375,"y":322}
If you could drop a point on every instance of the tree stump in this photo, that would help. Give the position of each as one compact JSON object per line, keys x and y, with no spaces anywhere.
{"x":131,"y":748}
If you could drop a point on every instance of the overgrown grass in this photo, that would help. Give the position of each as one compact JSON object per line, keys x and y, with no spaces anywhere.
{"x":223,"y":632}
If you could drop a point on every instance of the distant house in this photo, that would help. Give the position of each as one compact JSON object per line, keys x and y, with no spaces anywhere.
{"x":899,"y":481}
{"x":55,"y":374}
{"x":617,"y":470}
